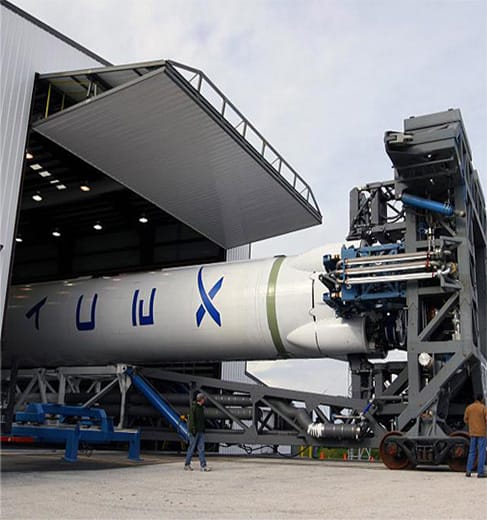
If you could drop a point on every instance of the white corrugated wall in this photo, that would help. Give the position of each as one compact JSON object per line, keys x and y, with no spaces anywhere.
{"x":238,"y":253}
{"x":26,"y":48}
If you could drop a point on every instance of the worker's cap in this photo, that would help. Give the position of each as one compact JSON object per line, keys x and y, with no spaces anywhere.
{"x":199,"y":397}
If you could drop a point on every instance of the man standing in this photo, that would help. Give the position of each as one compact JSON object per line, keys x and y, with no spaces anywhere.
{"x":476,"y":419}
{"x":197,"y":433}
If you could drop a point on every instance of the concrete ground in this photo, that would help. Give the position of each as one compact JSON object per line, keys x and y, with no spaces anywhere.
{"x":39,"y":485}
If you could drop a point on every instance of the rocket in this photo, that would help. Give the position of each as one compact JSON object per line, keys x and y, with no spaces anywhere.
{"x":248,"y":310}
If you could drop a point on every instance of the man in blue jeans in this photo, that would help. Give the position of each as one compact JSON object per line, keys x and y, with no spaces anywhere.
{"x":197,"y":434}
{"x":476,"y":419}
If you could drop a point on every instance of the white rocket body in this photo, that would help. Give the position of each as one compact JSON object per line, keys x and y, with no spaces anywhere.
{"x":251,"y":310}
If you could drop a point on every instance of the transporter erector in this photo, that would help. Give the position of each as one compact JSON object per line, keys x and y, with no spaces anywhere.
{"x":413,"y":279}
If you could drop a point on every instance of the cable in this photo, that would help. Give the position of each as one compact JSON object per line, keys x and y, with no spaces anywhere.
{"x":249,"y":449}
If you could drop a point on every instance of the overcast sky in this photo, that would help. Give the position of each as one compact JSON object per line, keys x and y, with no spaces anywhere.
{"x":322,"y":81}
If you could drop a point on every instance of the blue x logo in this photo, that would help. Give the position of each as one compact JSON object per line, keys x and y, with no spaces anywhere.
{"x":206,"y":299}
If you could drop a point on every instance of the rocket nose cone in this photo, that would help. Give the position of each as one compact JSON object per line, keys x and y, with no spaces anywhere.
{"x":304,"y":337}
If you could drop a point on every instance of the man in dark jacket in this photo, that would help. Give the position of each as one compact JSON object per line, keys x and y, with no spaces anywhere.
{"x":476,"y":419}
{"x":197,"y":433}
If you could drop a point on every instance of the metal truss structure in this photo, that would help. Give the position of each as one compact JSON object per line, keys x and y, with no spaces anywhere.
{"x":238,"y":413}
{"x":446,"y":328}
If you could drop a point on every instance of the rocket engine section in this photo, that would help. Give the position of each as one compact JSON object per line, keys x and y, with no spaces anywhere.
{"x":251,"y":310}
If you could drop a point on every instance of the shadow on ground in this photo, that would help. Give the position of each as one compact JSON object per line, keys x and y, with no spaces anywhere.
{"x":19,"y":461}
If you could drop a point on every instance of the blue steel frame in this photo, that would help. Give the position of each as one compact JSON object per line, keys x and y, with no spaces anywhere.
{"x":366,"y":292}
{"x":160,"y":404}
{"x":94,"y":427}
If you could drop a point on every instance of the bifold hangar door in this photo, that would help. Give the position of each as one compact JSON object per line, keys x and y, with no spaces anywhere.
{"x":166,"y":132}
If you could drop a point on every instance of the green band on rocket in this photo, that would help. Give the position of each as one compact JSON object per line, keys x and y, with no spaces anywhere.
{"x":271,"y":308}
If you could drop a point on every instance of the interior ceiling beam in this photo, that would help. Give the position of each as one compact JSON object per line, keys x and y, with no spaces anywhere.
{"x":98,"y":79}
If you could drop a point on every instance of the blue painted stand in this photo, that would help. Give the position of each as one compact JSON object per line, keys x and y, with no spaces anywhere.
{"x":92,"y":426}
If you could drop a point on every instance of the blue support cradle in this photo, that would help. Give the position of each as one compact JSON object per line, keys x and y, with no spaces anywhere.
{"x":92,"y":426}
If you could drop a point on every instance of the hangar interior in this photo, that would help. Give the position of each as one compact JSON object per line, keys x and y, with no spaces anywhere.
{"x":64,"y":198}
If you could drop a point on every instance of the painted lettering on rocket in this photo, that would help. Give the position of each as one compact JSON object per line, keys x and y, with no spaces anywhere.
{"x":35,"y":311}
{"x":206,"y":301}
{"x":89,"y":324}
{"x":144,"y":319}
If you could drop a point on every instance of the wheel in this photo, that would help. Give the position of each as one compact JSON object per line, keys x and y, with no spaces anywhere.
{"x":392,"y":454}
{"x":457,"y":459}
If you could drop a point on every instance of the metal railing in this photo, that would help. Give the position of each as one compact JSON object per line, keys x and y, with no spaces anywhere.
{"x":227,"y":110}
